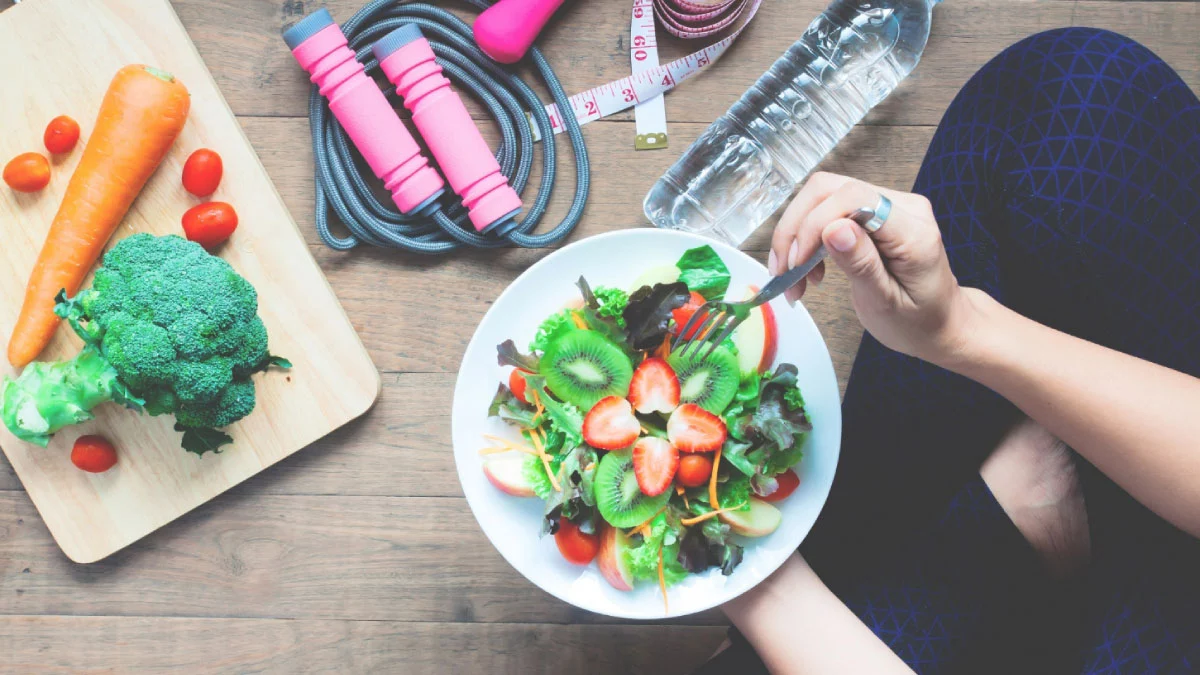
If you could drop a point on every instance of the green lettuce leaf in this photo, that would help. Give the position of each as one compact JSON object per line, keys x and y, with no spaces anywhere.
{"x":577,"y":500}
{"x":612,"y":303}
{"x":642,"y":559}
{"x":506,"y":406}
{"x":704,"y":272}
{"x":554,"y":327}
{"x":535,"y":473}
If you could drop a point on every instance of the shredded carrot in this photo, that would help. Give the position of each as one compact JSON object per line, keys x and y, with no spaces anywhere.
{"x":537,"y":401}
{"x":495,"y":450}
{"x":511,"y":445}
{"x":683,"y":493}
{"x":705,"y":516}
{"x":664,"y":350}
{"x":662,"y":582}
{"x":644,"y":528}
{"x":579,"y":322}
{"x":712,"y":483}
{"x":536,"y":436}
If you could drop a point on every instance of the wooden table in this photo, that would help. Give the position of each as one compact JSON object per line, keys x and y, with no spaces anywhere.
{"x":360,"y":554}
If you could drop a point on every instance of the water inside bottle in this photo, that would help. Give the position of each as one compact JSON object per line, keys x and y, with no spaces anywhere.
{"x":745,"y":166}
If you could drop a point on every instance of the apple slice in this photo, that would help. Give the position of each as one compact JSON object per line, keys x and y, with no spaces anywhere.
{"x":757,"y":339}
{"x":663,"y":274}
{"x":507,"y":472}
{"x":611,"y":558}
{"x":759,"y":520}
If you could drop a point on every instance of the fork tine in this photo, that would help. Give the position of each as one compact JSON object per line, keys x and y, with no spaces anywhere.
{"x":692,"y":327}
{"x":709,"y":328}
{"x":695,"y":331}
{"x":729,"y":328}
{"x":698,"y":315}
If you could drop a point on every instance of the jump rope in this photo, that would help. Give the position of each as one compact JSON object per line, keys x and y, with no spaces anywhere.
{"x":417,"y":46}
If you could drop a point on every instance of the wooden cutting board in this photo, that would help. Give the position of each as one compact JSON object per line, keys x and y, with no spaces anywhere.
{"x":57,"y":57}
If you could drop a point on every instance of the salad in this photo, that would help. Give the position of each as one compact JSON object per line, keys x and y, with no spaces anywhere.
{"x":653,"y":464}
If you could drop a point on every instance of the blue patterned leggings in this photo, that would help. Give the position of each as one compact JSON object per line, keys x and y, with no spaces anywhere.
{"x":1065,"y":177}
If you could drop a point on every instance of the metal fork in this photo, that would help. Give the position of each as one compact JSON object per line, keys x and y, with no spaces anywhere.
{"x":717,"y":319}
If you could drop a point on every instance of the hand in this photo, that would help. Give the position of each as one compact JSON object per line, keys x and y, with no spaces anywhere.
{"x":901,"y":284}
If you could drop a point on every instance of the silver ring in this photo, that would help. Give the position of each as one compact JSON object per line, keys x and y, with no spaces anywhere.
{"x":873,"y":219}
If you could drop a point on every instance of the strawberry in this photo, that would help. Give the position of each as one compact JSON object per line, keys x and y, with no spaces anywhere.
{"x":694,"y":429}
{"x":654,"y":463}
{"x":654,"y":387}
{"x":610,"y":424}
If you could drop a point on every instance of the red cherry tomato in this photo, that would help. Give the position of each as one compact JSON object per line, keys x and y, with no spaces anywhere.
{"x":788,"y":482}
{"x":694,"y":470}
{"x":93,"y":454}
{"x":684,"y":314}
{"x":210,"y":224}
{"x":28,"y":172}
{"x":516,"y":382}
{"x":202,"y":172}
{"x":61,"y":135}
{"x":575,"y":546}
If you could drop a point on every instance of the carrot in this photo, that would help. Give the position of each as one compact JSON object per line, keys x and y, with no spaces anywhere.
{"x":712,"y":483}
{"x":705,"y":516}
{"x":141,"y":115}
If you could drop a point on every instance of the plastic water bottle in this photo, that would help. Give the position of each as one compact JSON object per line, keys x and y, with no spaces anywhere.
{"x":746,"y":165}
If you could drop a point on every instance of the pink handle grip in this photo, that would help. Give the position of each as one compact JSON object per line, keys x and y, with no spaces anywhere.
{"x":364,"y":112}
{"x":507,"y":29}
{"x":464,"y":157}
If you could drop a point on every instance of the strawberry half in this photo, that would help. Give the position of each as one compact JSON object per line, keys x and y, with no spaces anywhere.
{"x":694,"y":429}
{"x":610,"y":424}
{"x":654,"y":464}
{"x":654,"y":387}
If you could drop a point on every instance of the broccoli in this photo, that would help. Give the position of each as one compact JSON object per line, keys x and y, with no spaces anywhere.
{"x":168,"y":329}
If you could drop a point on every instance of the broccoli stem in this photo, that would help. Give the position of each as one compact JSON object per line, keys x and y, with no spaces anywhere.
{"x":50,"y":396}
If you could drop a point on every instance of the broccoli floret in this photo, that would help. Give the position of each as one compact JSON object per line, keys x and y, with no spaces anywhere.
{"x":169,"y":329}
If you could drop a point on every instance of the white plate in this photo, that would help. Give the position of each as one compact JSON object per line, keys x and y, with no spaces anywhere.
{"x":513,"y":524}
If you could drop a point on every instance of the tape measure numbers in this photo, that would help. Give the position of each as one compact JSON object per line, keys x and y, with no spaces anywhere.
{"x":650,"y":116}
{"x":628,"y":92}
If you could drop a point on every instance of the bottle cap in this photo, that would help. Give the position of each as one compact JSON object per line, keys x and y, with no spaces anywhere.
{"x":307,"y":27}
{"x":392,"y":42}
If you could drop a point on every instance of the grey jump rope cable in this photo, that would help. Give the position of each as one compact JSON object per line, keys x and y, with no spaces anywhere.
{"x":342,"y":189}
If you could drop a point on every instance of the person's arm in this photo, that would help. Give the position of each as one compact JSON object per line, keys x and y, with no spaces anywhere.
{"x":797,"y":625}
{"x":1137,"y":422}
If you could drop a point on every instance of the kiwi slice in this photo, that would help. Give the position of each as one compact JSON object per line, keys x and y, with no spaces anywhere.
{"x":618,"y":496}
{"x":582,"y":367}
{"x":710,"y":383}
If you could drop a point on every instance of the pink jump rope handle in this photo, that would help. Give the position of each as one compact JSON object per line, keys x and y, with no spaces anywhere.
{"x":464,"y":157}
{"x":364,"y":112}
{"x":507,"y":29}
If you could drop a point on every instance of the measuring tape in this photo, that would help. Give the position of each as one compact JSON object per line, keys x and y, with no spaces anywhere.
{"x":681,"y":18}
{"x":650,"y":116}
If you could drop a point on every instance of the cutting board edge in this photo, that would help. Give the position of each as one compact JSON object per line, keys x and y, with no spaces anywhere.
{"x":363,"y":373}
{"x":84,"y":555}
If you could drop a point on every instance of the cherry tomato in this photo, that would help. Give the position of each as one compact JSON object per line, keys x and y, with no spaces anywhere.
{"x":575,"y":546}
{"x":28,"y":172}
{"x":516,"y":382}
{"x":93,"y":454}
{"x":788,"y":482}
{"x":61,"y":135}
{"x":202,"y":172}
{"x":694,"y":470}
{"x":684,"y":314}
{"x":210,"y":224}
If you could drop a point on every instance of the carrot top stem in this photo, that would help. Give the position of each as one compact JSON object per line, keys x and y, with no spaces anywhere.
{"x":160,"y":74}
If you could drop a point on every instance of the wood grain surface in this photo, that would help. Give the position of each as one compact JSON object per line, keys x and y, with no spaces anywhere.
{"x":359,"y":553}
{"x":333,"y":381}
